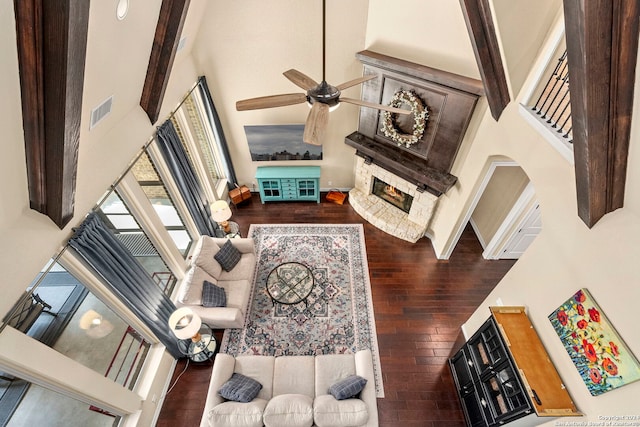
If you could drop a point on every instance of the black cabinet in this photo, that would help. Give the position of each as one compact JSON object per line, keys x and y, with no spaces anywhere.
{"x":490,"y":391}
{"x":493,"y":387}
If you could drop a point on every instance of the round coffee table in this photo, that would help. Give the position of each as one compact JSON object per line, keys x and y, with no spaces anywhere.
{"x":290,"y":283}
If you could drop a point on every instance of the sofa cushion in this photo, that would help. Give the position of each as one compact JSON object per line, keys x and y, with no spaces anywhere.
{"x":228,"y":256}
{"x":294,"y":375}
{"x":243,"y":270}
{"x":236,"y":414}
{"x":331,"y":368}
{"x":289,"y":410}
{"x":259,"y":368}
{"x":329,"y":412}
{"x":240,"y":388}
{"x":212,"y":295}
{"x":203,"y":256}
{"x":191,"y":288}
{"x":351,"y":386}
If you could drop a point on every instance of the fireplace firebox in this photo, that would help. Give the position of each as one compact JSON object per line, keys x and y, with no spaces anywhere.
{"x":391,"y":194}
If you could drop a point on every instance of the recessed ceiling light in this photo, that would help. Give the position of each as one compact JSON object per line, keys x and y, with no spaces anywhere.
{"x":122,"y":9}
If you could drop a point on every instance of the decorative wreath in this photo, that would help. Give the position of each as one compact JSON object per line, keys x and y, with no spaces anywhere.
{"x":420,"y":116}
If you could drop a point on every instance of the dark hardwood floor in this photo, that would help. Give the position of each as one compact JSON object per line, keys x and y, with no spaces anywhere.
{"x":420,"y":303}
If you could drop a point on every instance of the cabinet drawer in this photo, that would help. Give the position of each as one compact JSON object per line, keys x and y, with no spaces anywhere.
{"x":487,"y":348}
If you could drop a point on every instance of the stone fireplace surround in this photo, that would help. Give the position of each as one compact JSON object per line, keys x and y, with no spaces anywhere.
{"x":388,"y":218}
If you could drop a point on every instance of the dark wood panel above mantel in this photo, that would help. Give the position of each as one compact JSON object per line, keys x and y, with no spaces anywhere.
{"x":450,"y":100}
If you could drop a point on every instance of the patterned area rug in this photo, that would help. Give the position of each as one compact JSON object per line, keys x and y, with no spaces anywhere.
{"x":338,"y":314}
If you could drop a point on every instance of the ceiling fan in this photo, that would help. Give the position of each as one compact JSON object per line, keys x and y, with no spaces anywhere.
{"x":322,"y":97}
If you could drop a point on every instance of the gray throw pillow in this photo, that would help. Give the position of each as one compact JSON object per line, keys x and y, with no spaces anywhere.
{"x":228,"y":256}
{"x":348,"y":387}
{"x":240,"y":388}
{"x":213,"y":295}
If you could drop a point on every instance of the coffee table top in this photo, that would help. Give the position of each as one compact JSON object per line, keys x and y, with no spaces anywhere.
{"x":290,"y":283}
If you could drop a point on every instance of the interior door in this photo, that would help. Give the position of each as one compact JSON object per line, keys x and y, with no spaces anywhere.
{"x":527,"y":232}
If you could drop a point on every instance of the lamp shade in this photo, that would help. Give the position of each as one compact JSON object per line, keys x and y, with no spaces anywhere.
{"x":220,"y":211}
{"x":184,"y":323}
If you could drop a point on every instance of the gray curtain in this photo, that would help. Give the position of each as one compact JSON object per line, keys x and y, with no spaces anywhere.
{"x":214,"y":119}
{"x":182,"y":172}
{"x":126,"y":277}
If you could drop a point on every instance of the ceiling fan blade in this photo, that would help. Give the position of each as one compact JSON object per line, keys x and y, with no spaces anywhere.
{"x":299,"y":79}
{"x":271,"y":101}
{"x":316,"y":124}
{"x":374,"y":105}
{"x":354,"y":82}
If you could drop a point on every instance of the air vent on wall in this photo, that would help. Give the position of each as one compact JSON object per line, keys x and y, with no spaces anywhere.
{"x":101,"y":111}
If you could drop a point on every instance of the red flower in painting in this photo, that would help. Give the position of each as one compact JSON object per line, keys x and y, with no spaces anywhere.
{"x":595,"y":376}
{"x":594,"y":314}
{"x":609,"y":366}
{"x":582,"y":324}
{"x":589,"y":351}
{"x":580,"y":296}
{"x":580,"y":309}
{"x":614,"y":349}
{"x":574,"y":335}
{"x":562,"y":317}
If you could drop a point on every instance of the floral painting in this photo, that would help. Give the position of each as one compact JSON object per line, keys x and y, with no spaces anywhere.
{"x":601,"y":357}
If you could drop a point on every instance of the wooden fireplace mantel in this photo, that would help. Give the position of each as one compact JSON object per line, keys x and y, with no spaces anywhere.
{"x":405,"y":165}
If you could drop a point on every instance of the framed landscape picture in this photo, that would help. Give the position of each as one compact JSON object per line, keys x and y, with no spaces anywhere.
{"x":280,"y":142}
{"x":603,"y":360}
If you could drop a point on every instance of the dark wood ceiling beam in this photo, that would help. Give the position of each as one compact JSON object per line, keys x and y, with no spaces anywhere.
{"x":602,"y":49}
{"x":165,"y":44}
{"x":477,"y":15}
{"x":52,"y":41}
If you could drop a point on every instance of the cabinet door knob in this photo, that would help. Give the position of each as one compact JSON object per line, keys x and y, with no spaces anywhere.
{"x":470,"y":362}
{"x":483,"y":402}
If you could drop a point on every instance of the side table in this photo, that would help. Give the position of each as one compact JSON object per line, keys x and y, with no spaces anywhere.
{"x":202,"y":350}
{"x":234,"y":231}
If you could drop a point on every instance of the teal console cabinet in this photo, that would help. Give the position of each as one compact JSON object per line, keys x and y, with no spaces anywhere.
{"x":289,"y":183}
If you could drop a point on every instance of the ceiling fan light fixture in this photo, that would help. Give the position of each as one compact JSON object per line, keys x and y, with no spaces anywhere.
{"x":325,"y":93}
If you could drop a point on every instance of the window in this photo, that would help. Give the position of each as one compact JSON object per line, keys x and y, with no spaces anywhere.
{"x":30,"y":410}
{"x":147,"y":176}
{"x":59,"y":311}
{"x":202,"y":142}
{"x":119,"y":219}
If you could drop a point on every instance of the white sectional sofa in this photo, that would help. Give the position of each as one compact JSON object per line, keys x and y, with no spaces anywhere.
{"x":237,"y":283}
{"x":294,"y":392}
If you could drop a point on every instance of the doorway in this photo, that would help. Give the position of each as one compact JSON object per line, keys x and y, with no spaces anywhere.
{"x":504,"y":212}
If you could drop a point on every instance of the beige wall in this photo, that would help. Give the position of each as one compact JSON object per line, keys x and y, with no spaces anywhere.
{"x":503,"y":189}
{"x":566,"y":255}
{"x":428,"y":32}
{"x":241,"y":62}
{"x":522,"y":27}
{"x":116,"y":63}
